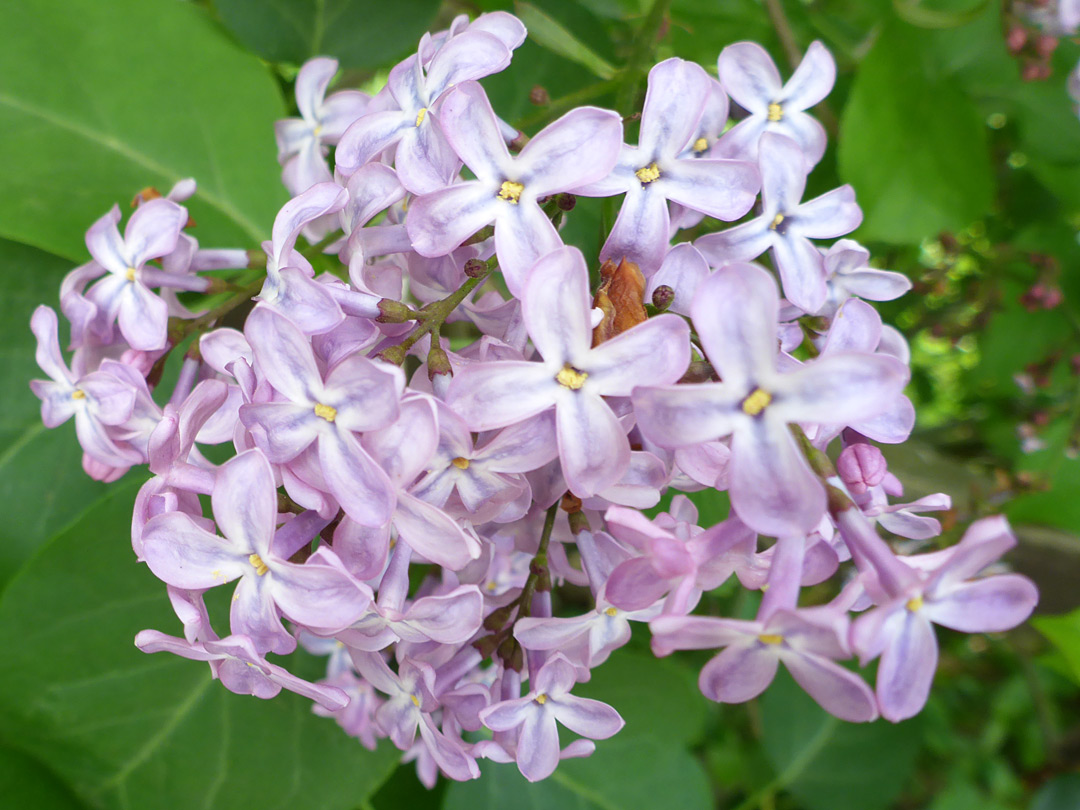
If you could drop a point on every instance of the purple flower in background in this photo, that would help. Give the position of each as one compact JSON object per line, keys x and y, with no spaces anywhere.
{"x":787,"y":225}
{"x":538,"y":714}
{"x":750,"y":77}
{"x":577,"y":149}
{"x":424,"y":160}
{"x":574,"y":377}
{"x":302,"y":141}
{"x":772,"y":488}
{"x":151,"y":232}
{"x":656,"y":171}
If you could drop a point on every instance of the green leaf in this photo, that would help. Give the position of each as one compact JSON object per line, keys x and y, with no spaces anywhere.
{"x":42,"y":484}
{"x":831,"y":765}
{"x":623,"y":774}
{"x":126,"y":729}
{"x":549,"y":33}
{"x":358,"y":33}
{"x":100,"y":100}
{"x":917,"y":13}
{"x":25,"y":782}
{"x":1059,"y":793}
{"x":1064,"y":632}
{"x":912,"y":144}
{"x":657,"y":698}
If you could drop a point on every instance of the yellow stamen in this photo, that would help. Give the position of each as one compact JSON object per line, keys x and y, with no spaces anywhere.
{"x":491,"y":586}
{"x":421,"y":115}
{"x":78,"y":393}
{"x":776,"y":222}
{"x":756,"y":402}
{"x":260,"y":566}
{"x":700,"y":145}
{"x":914,"y":603}
{"x":611,"y":611}
{"x":776,"y":112}
{"x":771,"y":638}
{"x":317,"y":131}
{"x":415,"y":700}
{"x":510,"y":191}
{"x":570,"y":377}
{"x":541,"y":698}
{"x":461,"y":463}
{"x":327,"y":412}
{"x":130,"y":274}
{"x":648,"y":173}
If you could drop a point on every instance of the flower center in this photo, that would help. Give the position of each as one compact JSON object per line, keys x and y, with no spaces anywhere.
{"x":420,"y":116}
{"x":756,"y":402}
{"x":611,"y":611}
{"x":570,"y":377}
{"x":256,"y":561}
{"x":327,"y":412}
{"x":700,"y":145}
{"x":541,"y":698}
{"x":130,"y":274}
{"x":771,"y":638}
{"x":78,"y":393}
{"x":775,"y":224}
{"x":510,"y":191}
{"x":776,"y":112}
{"x":914,"y":603}
{"x":415,"y":700}
{"x":648,"y":173}
{"x":461,"y":463}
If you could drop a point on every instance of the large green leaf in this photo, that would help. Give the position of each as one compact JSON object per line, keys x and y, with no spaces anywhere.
{"x":1064,"y":632}
{"x":639,"y":773}
{"x":831,"y":765}
{"x":25,"y":782}
{"x":912,"y":144}
{"x":359,"y":33}
{"x":126,"y":729}
{"x":101,"y":99}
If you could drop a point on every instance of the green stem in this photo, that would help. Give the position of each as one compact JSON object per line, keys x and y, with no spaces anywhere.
{"x":186,"y":328}
{"x":311,"y":251}
{"x":539,"y":563}
{"x":644,"y":45}
{"x":795,"y":769}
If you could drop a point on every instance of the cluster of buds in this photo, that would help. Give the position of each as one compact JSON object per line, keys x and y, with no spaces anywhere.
{"x":410,"y":506}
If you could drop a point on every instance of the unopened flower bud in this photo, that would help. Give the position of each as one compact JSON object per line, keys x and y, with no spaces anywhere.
{"x":1016,"y":39}
{"x":486,"y":645}
{"x":511,"y":654}
{"x":1045,"y":45}
{"x":566,"y":202}
{"x":392,"y":354}
{"x":539,"y":96}
{"x":860,"y":467}
{"x":475,"y":268}
{"x":391,"y":311}
{"x":662,"y":297}
{"x":437,"y":363}
{"x":497,"y":619}
{"x":256,"y":260}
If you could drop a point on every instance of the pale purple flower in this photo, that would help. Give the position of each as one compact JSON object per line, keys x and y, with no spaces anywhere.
{"x":241,"y":669}
{"x":424,"y":160}
{"x":573,"y":377}
{"x":325,"y":410}
{"x":786,"y":225}
{"x":683,"y":269}
{"x":318,"y":594}
{"x":97,"y":400}
{"x":151,"y":233}
{"x":900,"y":629}
{"x":772,"y":488}
{"x":656,"y":171}
{"x":538,"y":714}
{"x":302,"y":141}
{"x":848,"y":273}
{"x":750,"y":77}
{"x":577,"y":149}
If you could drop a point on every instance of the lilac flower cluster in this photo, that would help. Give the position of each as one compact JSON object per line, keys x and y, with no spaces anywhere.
{"x":407,"y":502}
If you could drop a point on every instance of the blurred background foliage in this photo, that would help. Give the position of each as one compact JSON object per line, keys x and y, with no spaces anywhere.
{"x":964,"y":149}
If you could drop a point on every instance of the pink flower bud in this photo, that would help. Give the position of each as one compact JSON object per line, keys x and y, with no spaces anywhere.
{"x":861,"y":466}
